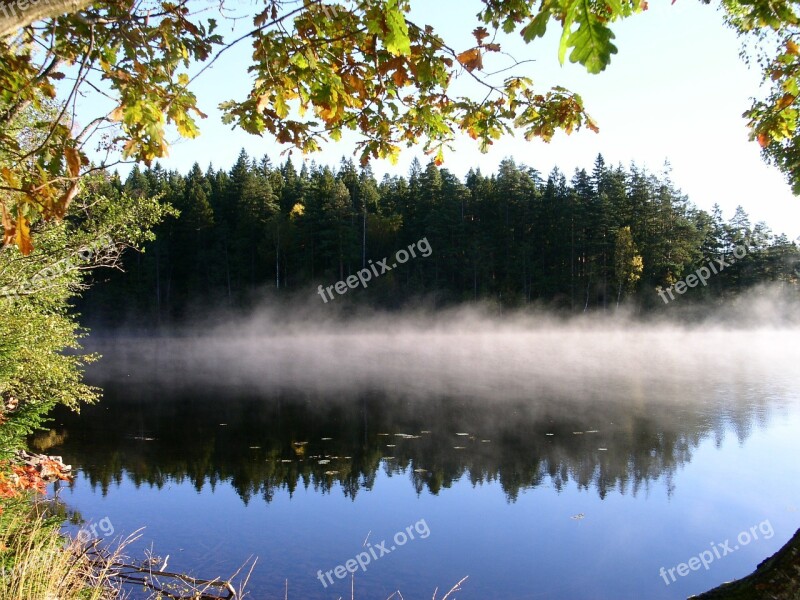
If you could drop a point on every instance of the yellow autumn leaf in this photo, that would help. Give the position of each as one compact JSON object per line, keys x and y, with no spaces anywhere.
{"x":471,"y":59}
{"x":73,"y":161}
{"x":785,"y":101}
{"x":23,"y":237}
{"x":116,"y":114}
{"x":10,"y":177}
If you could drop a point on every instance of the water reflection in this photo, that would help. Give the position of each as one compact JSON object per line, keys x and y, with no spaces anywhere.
{"x":262,"y":444}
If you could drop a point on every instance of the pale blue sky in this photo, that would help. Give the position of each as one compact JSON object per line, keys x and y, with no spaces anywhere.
{"x":676,"y":90}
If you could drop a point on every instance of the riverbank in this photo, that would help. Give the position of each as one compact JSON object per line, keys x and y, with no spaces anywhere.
{"x":776,"y":578}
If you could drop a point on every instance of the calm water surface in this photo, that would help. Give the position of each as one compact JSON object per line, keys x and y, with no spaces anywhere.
{"x":572,"y":491}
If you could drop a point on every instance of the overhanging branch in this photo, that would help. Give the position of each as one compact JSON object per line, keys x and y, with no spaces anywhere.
{"x":16,"y":14}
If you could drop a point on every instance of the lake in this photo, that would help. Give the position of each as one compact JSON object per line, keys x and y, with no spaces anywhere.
{"x":541,"y":461}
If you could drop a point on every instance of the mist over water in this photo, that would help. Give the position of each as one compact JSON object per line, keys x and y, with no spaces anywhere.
{"x":472,"y":353}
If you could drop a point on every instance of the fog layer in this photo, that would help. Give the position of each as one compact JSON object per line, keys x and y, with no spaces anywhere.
{"x":467,"y":352}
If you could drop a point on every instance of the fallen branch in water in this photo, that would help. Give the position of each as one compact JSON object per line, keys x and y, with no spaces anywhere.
{"x":177,"y":586}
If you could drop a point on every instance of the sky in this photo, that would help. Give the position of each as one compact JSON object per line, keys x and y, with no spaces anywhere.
{"x":675,"y":92}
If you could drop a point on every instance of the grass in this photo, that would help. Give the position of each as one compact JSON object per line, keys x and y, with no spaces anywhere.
{"x":38,"y":563}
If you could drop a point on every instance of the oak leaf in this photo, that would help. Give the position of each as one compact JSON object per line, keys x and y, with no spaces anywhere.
{"x":23,"y":234}
{"x":73,"y":161}
{"x":785,"y":101}
{"x":471,"y":59}
{"x":480,"y":34}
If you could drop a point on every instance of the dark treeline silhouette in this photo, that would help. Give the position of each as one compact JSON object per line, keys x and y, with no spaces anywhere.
{"x":515,"y":237}
{"x":261,"y":445}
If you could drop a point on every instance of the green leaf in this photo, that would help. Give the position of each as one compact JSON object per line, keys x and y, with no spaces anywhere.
{"x":569,"y":19}
{"x":280,"y":105}
{"x":536,"y":28}
{"x":299,"y":60}
{"x":396,"y":41}
{"x":591,"y":42}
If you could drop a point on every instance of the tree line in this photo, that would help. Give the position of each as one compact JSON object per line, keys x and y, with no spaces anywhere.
{"x":591,"y":241}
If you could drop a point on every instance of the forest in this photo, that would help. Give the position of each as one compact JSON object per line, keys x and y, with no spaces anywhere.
{"x":588,"y":242}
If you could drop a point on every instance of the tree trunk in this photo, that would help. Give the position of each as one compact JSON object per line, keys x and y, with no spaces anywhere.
{"x":158,"y":282}
{"x":278,"y":258}
{"x":16,"y":14}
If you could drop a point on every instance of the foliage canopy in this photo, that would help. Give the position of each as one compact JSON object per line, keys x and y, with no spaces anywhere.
{"x":318,"y":70}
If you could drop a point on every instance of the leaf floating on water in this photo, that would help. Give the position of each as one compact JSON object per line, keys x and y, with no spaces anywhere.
{"x":424,"y":431}
{"x":549,"y":433}
{"x":578,"y":517}
{"x":603,"y":449}
{"x":285,"y":460}
{"x":390,"y":445}
{"x":323,"y":462}
{"x":458,"y":447}
{"x":577,"y":433}
{"x":299,"y":443}
{"x":255,"y":447}
{"x":593,"y":431}
{"x":326,"y":439}
{"x":462,"y":434}
{"x":223,"y":424}
{"x":383,"y":434}
{"x":331,"y":472}
{"x":485,"y":441}
{"x":420,"y":470}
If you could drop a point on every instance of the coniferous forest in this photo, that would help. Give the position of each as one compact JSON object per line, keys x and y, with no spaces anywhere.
{"x":589,"y":241}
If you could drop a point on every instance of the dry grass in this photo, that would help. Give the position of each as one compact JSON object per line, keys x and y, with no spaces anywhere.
{"x":38,"y":563}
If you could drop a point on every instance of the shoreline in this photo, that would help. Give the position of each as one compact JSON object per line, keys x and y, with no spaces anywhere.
{"x":776,"y":577}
